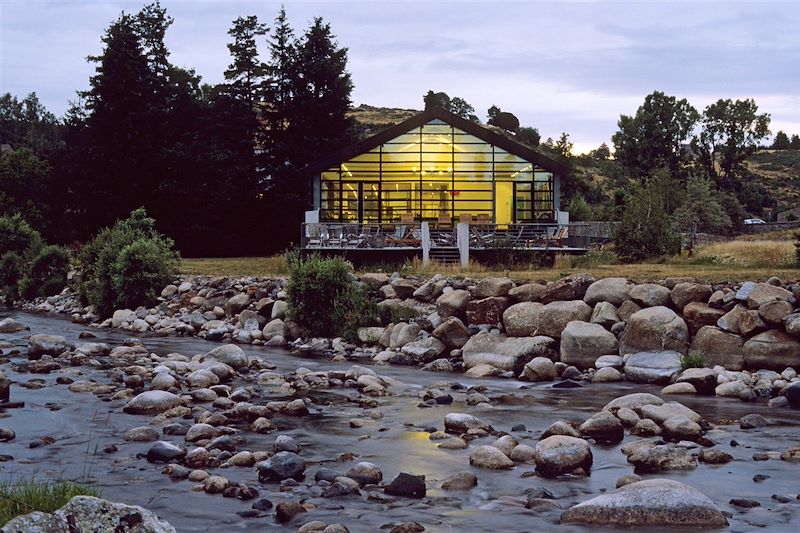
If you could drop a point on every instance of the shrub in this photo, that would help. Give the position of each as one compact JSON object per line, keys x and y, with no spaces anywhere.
{"x":104,"y":271}
{"x":325,"y":299}
{"x":17,"y":236}
{"x":140,"y":271}
{"x":645,"y":230}
{"x":579,"y":209}
{"x":10,"y":272}
{"x":48,"y":273}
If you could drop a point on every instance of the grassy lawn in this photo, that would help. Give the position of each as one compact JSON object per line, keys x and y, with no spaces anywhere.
{"x":766,"y":263}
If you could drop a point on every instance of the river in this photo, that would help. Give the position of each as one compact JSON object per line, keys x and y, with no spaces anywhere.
{"x":82,"y":425}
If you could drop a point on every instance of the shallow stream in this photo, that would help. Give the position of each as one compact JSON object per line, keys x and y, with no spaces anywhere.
{"x":82,"y":425}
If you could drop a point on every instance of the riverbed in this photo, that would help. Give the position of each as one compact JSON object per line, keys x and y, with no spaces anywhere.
{"x":82,"y":426}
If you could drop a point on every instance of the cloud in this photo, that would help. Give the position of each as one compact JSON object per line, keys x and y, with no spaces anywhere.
{"x":560,"y":66}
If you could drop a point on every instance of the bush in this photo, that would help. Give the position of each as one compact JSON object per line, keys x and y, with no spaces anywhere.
{"x":140,"y":271}
{"x":501,"y":254}
{"x":17,"y":236}
{"x":105,"y":270}
{"x":325,"y":299}
{"x":48,"y":273}
{"x":797,"y":249}
{"x":645,"y":230}
{"x":579,"y":209}
{"x":10,"y":272}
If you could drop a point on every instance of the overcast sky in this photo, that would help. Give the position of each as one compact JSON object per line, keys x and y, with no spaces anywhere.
{"x":559,"y":66}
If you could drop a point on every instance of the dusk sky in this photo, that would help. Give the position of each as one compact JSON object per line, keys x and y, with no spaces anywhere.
{"x":559,"y":66}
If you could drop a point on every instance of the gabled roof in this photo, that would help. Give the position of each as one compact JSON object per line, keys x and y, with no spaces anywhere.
{"x":485,"y":134}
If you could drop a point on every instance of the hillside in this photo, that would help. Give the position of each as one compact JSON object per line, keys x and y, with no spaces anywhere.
{"x":779,"y":171}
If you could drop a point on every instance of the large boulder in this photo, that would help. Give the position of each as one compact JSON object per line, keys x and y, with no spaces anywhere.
{"x":582,"y":343}
{"x":718,"y":347}
{"x":652,"y":502}
{"x":539,"y":369}
{"x":452,"y":332}
{"x":487,"y":311}
{"x":685,"y":293}
{"x":87,"y":514}
{"x":488,"y":287}
{"x":42,"y":344}
{"x":634,"y":401}
{"x":431,"y":289}
{"x":230,"y":354}
{"x":122,"y":316}
{"x":462,"y":423}
{"x":505,"y":353}
{"x":704,"y":380}
{"x":453,"y":303}
{"x":653,"y":367}
{"x":773,"y":349}
{"x":650,"y":295}
{"x":604,"y":314}
{"x":612,"y":290}
{"x":151,"y":402}
{"x":570,"y":288}
{"x":425,"y":350}
{"x":699,"y":314}
{"x":731,"y":320}
{"x":529,"y":292}
{"x":490,"y":457}
{"x":763,"y":293}
{"x":527,"y":319}
{"x":654,"y":329}
{"x":236,"y":304}
{"x":562,"y":454}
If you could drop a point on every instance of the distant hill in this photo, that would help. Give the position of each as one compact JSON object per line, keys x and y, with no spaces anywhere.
{"x":779,"y":171}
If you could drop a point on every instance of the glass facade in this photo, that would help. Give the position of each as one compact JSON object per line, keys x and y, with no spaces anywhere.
{"x":436,"y":172}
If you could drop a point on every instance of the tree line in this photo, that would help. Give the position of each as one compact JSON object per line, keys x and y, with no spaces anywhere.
{"x":217,"y":165}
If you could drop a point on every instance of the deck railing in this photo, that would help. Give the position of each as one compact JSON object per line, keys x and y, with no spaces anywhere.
{"x":335,"y":235}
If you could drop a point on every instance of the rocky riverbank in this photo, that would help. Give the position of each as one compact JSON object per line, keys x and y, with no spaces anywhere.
{"x":577,"y":329}
{"x":323,"y":445}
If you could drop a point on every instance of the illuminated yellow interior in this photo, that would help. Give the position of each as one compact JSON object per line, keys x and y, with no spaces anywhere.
{"x":437,"y":173}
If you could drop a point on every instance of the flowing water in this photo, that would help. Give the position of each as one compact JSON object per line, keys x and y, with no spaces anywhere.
{"x":83,"y":425}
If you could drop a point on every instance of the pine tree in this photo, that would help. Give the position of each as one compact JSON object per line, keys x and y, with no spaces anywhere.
{"x":781,"y":141}
{"x":245,"y":76}
{"x":278,"y":94}
{"x":794,"y":144}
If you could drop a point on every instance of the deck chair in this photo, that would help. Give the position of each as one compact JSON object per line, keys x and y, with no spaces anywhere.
{"x":407,"y":218}
{"x":444,"y":221}
{"x":556,"y":235}
{"x":314,"y":235}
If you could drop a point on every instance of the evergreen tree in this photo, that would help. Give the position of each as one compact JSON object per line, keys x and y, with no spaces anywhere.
{"x":278,"y":93}
{"x":528,"y":136}
{"x":794,"y":144}
{"x":317,"y":113}
{"x":781,"y":141}
{"x":702,"y":210}
{"x":245,"y":75}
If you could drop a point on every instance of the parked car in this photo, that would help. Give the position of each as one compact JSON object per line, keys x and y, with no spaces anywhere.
{"x":753,"y":221}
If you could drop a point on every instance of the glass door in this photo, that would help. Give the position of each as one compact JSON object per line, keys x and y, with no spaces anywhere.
{"x":370,"y":202}
{"x":522,"y":202}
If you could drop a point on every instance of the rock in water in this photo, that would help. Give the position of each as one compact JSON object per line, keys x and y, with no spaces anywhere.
{"x":42,"y":344}
{"x":164,"y":452}
{"x":561,"y":454}
{"x":653,"y":502}
{"x":230,"y":354}
{"x":282,"y":465}
{"x":84,"y":514}
{"x":407,"y":485}
{"x":9,"y":325}
{"x":151,"y":402}
{"x":490,"y":457}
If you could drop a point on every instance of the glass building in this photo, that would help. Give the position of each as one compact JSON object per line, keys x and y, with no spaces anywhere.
{"x":437,"y":167}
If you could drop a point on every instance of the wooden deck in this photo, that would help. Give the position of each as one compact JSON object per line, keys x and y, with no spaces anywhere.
{"x":564,"y":238}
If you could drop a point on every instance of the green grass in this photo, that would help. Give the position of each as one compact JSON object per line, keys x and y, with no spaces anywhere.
{"x":693,"y":360}
{"x":26,"y":496}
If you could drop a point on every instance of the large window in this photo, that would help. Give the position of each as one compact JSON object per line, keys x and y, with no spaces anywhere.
{"x":437,"y":172}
